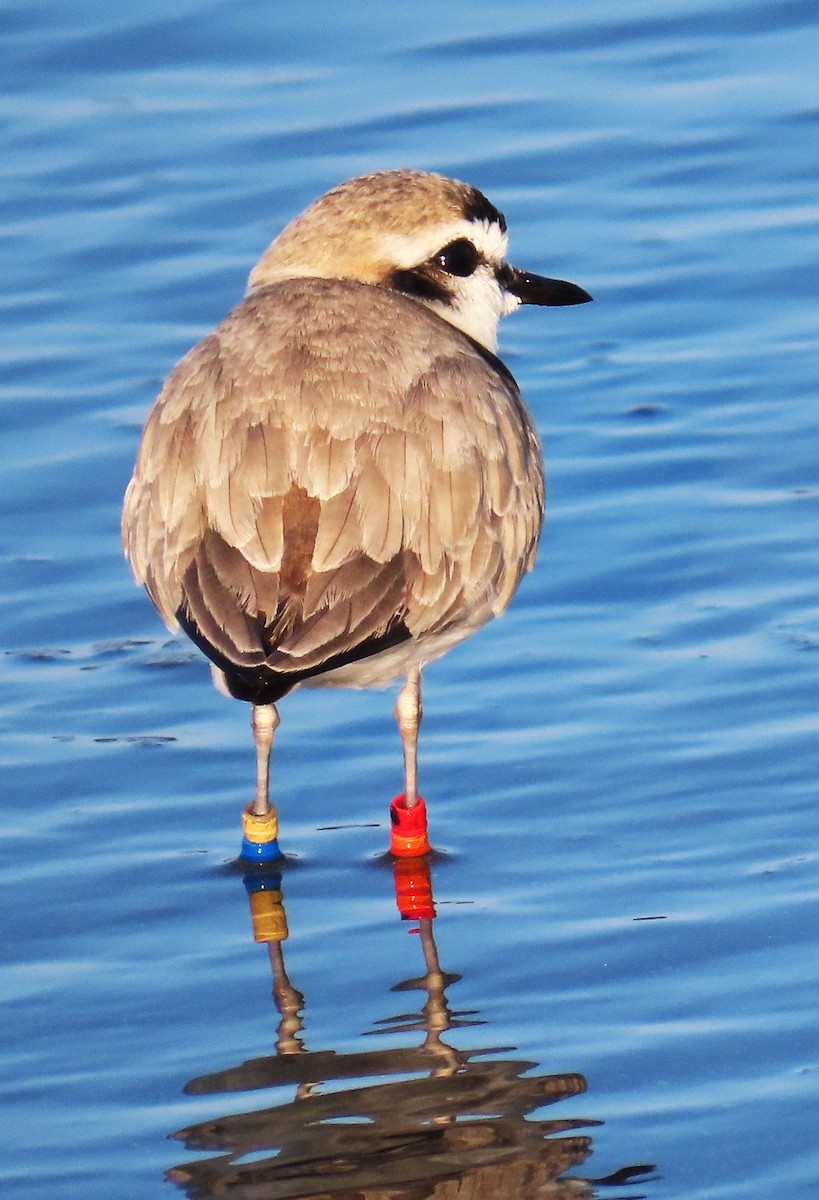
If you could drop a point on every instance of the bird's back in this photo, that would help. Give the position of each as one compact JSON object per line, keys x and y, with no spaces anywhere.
{"x":333,"y":482}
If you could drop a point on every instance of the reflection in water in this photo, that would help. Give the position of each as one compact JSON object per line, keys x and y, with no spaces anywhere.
{"x":440,"y":1123}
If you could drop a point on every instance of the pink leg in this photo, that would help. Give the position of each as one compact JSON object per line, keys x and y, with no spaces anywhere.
{"x":408,"y":713}
{"x":264,"y":722}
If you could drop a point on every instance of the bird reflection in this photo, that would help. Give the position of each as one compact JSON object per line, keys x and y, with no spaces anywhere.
{"x":439,"y":1123}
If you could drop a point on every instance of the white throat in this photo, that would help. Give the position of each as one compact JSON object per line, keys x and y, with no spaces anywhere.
{"x":477,"y":305}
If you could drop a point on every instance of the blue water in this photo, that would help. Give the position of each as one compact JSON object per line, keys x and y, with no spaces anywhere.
{"x":621,"y":773}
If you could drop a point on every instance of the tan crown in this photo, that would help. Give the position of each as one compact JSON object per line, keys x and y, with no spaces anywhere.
{"x":346,"y":233}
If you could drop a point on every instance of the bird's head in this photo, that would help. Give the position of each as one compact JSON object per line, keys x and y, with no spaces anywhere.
{"x":423,"y":235}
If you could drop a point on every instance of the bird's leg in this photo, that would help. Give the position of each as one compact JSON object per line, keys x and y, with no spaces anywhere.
{"x":264,"y":722}
{"x":408,"y":813}
{"x":408,"y":712}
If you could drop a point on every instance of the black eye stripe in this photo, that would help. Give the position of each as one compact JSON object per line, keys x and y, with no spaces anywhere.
{"x":420,"y":284}
{"x":458,"y":258}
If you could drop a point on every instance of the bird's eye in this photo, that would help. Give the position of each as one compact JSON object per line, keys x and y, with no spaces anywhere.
{"x":458,"y":258}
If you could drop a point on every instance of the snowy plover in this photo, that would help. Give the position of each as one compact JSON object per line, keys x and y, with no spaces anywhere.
{"x":342,"y":481}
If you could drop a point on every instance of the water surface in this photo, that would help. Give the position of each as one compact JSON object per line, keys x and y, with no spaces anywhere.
{"x":621,"y":772}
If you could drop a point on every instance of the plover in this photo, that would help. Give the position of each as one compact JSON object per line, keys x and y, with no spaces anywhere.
{"x":341,"y":481}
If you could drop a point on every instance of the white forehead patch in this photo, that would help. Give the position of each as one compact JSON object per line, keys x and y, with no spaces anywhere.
{"x":410,"y":250}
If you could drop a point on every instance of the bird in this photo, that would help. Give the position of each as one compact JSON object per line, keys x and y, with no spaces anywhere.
{"x":342,"y":481}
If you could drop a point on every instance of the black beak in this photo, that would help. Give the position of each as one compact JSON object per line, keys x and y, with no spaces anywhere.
{"x":537,"y":289}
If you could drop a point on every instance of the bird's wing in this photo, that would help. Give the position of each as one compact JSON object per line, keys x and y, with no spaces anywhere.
{"x":334,"y":462}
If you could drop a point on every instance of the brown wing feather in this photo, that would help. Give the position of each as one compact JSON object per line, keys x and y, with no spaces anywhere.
{"x":332,"y":462}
